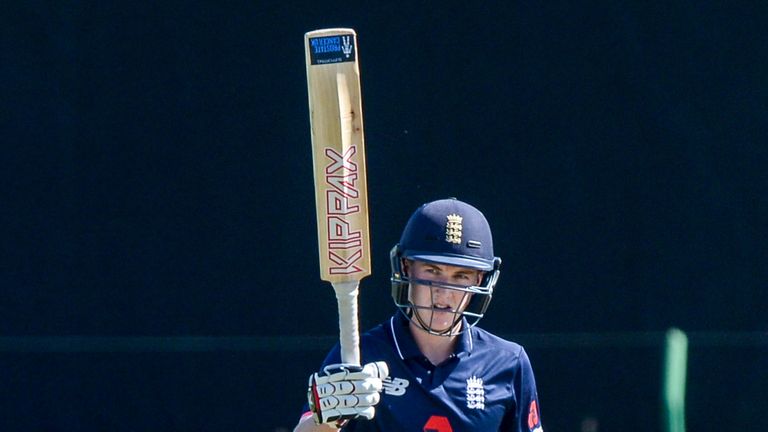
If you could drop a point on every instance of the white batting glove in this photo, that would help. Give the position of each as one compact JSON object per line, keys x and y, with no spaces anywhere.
{"x":342,"y":392}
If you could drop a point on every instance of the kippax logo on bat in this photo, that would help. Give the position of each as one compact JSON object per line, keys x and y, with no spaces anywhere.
{"x":332,"y":49}
{"x":345,"y":243}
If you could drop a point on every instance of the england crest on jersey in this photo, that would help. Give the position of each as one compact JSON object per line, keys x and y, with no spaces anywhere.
{"x":475,"y":393}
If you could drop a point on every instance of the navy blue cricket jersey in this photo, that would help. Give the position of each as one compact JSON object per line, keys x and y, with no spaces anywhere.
{"x":486,"y":385}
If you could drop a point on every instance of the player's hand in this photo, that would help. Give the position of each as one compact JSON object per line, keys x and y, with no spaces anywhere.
{"x":342,"y":392}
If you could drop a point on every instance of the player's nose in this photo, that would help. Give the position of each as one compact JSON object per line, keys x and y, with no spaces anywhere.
{"x":441,"y":293}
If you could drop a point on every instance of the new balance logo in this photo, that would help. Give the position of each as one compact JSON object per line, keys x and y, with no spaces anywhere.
{"x":395,"y":386}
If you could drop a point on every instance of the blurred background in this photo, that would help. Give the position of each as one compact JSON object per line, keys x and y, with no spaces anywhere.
{"x":158,"y":264}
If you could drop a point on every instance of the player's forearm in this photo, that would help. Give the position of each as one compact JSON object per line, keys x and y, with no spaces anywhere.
{"x":307,"y":424}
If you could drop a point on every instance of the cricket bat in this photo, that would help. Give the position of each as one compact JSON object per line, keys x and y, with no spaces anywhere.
{"x":338,"y":156}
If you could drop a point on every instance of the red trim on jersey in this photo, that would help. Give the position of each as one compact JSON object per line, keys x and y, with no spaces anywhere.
{"x":533,"y":415}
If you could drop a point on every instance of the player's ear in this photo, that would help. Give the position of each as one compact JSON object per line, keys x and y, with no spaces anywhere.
{"x":480,"y":276}
{"x":405,"y":265}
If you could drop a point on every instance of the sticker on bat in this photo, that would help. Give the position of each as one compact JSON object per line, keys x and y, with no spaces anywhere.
{"x":332,"y":49}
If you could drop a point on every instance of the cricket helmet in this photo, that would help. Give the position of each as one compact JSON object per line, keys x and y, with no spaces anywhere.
{"x":449,"y":232}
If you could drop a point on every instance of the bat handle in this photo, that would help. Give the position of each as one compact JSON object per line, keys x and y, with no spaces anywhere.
{"x":346,"y":295}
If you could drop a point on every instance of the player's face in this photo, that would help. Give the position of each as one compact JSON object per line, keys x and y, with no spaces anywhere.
{"x":438,"y":306}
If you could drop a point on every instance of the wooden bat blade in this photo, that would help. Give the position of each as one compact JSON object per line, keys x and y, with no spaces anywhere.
{"x":338,"y":154}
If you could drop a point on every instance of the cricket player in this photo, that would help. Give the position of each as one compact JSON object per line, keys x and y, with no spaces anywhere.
{"x":429,"y":367}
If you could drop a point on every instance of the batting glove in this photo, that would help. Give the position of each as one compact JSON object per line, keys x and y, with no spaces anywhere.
{"x":342,"y":392}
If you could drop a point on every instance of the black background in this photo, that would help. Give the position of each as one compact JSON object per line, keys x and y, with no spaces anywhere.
{"x":156,"y":180}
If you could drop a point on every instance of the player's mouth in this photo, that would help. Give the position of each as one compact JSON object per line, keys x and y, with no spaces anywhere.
{"x":442,"y":307}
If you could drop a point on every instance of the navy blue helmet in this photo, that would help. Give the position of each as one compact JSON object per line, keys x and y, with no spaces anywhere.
{"x":448,"y":232}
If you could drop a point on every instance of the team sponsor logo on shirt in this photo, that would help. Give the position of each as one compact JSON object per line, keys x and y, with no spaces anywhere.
{"x":395,"y":386}
{"x":475,"y":393}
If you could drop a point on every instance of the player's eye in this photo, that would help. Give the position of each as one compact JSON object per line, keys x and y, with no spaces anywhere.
{"x":466,"y":278}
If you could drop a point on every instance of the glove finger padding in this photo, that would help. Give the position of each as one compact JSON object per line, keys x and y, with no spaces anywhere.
{"x":369,"y":385}
{"x":350,"y":401}
{"x":342,"y":415}
{"x":344,"y":391}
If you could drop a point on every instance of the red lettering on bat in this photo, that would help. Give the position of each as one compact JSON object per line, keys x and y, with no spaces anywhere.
{"x":338,"y":204}
{"x":340,"y":161}
{"x":342,"y":200}
{"x":344,"y":184}
{"x":340,"y":236}
{"x":341,"y":178}
{"x":345,"y":265}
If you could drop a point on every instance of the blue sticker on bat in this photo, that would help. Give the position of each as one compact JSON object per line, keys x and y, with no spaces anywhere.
{"x":332,"y":49}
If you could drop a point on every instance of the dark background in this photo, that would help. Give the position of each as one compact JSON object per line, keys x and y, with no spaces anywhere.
{"x":156,"y":180}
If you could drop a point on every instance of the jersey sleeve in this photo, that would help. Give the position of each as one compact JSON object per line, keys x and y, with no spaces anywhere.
{"x":525,"y":414}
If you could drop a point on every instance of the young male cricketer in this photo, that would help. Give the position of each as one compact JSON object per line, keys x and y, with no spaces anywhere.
{"x":429,"y":368}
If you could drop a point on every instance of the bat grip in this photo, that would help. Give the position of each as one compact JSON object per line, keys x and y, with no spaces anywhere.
{"x":346,"y":296}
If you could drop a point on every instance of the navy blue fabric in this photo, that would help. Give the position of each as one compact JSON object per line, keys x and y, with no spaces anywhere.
{"x":420,"y":396}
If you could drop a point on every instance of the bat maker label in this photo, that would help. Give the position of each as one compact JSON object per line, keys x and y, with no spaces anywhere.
{"x":345,"y":240}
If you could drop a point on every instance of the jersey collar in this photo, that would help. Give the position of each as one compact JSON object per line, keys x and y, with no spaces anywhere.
{"x":406,"y":346}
